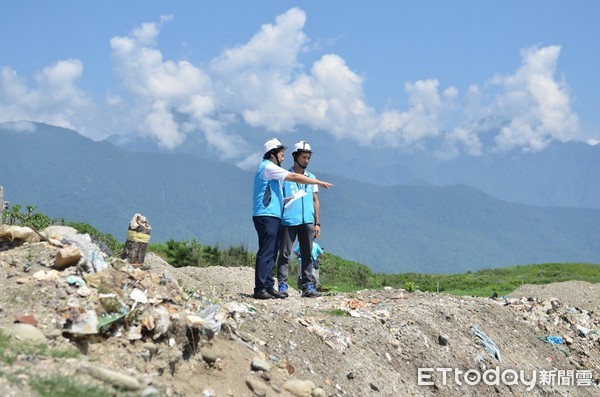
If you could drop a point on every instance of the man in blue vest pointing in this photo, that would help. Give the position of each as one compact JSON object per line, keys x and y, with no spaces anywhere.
{"x":268,"y":202}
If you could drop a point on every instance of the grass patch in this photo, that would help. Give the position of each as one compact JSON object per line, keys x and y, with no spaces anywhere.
{"x":10,"y":349}
{"x":487,"y":281}
{"x":66,"y":386}
{"x":338,"y":312}
{"x":340,"y":275}
{"x":65,"y":353}
{"x":346,"y":276}
{"x":50,"y":386}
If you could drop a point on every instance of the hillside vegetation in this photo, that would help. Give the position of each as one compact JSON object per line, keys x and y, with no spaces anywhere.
{"x":499,"y":280}
{"x":337,"y":274}
{"x":396,"y":229}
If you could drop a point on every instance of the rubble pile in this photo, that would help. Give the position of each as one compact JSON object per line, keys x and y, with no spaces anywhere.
{"x":150,"y":329}
{"x":574,"y":331}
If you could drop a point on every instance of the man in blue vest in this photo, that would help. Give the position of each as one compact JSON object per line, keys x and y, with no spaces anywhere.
{"x":301,"y":220}
{"x":268,"y":201}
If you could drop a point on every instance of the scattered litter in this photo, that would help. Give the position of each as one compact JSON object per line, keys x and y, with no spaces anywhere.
{"x":487,"y":342}
{"x":211,"y":323}
{"x":42,"y":275}
{"x":138,"y":296}
{"x":20,"y":233}
{"x":84,"y":291}
{"x":553,"y":340}
{"x":162,"y":321}
{"x":75,"y":280}
{"x":235,"y":307}
{"x":86,"y":323}
{"x":95,"y":262}
{"x":108,"y":320}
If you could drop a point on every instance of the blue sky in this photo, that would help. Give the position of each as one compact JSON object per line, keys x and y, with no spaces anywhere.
{"x":391,"y":74}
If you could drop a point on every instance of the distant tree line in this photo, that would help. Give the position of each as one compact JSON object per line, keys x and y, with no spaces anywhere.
{"x":336,"y":274}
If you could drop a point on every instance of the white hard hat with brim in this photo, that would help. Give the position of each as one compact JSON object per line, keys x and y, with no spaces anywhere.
{"x":273,"y":143}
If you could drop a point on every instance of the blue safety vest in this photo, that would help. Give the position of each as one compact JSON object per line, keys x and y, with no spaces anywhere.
{"x":302,"y":210}
{"x":267,"y":196}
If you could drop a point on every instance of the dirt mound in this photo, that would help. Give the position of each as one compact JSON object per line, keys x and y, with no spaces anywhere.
{"x":198,"y":332}
{"x":577,"y":293}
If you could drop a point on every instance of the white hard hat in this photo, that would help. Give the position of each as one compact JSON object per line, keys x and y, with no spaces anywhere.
{"x":271,"y":144}
{"x":302,"y":146}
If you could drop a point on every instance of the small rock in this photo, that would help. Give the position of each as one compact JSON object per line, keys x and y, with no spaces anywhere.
{"x":257,"y":387}
{"x":299,"y":388}
{"x":27,"y":319}
{"x":58,"y":231}
{"x":260,"y":365}
{"x":115,"y":378}
{"x":26,"y":332}
{"x":195,"y":321}
{"x":209,"y":355}
{"x":68,"y":256}
{"x":443,"y":339}
{"x":54,"y":333}
{"x":150,"y":392}
{"x":150,"y":347}
{"x":318,"y":392}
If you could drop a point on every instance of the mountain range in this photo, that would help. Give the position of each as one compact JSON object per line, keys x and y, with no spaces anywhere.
{"x":437,"y":224}
{"x":562,"y":175}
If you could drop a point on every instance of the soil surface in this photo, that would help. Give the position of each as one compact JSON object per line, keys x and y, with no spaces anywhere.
{"x":198,"y":332}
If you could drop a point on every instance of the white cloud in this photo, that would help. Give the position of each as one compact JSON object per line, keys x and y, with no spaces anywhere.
{"x":56,"y":99}
{"x":254,"y":80}
{"x":534,"y":107}
{"x":420,"y":121}
{"x":171,"y":98}
{"x":262,"y":84}
{"x":530,"y":109}
{"x":464,"y":137}
{"x":19,"y":126}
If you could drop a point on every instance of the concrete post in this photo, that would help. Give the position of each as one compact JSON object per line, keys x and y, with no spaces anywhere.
{"x":138,"y":236}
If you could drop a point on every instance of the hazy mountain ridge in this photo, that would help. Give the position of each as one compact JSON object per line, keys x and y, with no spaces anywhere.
{"x":563,"y":174}
{"x":391,"y":229}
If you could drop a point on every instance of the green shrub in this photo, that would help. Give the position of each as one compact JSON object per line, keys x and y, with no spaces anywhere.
{"x":409,"y":286}
{"x":30,"y":217}
{"x":65,"y":386}
{"x":192,"y":253}
{"x":336,"y":274}
{"x":38,"y":221}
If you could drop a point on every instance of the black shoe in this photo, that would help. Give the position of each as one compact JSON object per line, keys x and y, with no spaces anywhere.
{"x":311,"y":292}
{"x":262,"y":295}
{"x":277,"y":294}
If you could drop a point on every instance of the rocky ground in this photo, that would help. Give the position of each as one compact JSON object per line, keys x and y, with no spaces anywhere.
{"x":154,"y":330}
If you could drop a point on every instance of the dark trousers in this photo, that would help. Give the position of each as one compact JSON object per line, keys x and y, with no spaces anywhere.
{"x":305,"y":234}
{"x":267,"y":229}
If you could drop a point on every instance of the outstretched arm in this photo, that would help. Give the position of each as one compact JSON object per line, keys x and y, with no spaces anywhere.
{"x":294,"y":177}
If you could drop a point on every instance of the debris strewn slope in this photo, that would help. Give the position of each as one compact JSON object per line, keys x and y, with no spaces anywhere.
{"x":152,"y":329}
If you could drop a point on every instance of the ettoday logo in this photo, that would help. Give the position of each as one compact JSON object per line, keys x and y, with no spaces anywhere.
{"x":495,"y":376}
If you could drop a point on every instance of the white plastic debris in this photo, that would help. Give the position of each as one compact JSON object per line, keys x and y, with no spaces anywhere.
{"x":139,"y":296}
{"x":85,"y":323}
